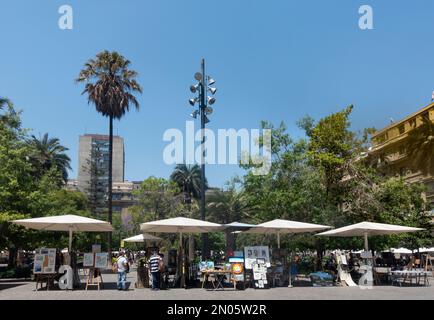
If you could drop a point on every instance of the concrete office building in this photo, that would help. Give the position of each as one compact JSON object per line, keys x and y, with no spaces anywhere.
{"x":94,"y":149}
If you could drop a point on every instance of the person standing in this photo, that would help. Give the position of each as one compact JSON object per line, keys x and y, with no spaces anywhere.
{"x":122,"y":266}
{"x":154,"y":264}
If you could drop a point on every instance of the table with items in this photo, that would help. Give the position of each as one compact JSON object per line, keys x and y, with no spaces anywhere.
{"x":403,"y":276}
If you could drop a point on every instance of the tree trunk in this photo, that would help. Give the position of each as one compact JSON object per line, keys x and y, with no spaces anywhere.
{"x":190,"y":248}
{"x":110,"y":184}
{"x":230,"y":241}
{"x":12,"y":257}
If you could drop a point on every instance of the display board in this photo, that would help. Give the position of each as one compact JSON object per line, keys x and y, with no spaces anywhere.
{"x":101,"y":260}
{"x":251,"y":254}
{"x":260,"y":274}
{"x":88,"y":260}
{"x":45,"y":261}
{"x":97,"y":260}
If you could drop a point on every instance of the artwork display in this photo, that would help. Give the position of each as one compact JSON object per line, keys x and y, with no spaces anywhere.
{"x":260,"y":274}
{"x":97,"y":260}
{"x":251,"y":254}
{"x":45,"y":261}
{"x":101,"y":260}
{"x":88,"y":260}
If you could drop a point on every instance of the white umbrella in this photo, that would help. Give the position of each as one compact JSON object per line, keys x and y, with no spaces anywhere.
{"x":285,"y":226}
{"x":426,"y":250}
{"x":365,"y":229}
{"x":70,"y":223}
{"x":180,"y":225}
{"x":142,"y":238}
{"x":400,"y":251}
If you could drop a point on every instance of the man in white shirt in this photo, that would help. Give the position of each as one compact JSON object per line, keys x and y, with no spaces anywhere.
{"x":122,"y":265}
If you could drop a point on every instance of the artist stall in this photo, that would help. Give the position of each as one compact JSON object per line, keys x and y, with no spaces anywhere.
{"x":280,"y":271}
{"x":66,"y":223}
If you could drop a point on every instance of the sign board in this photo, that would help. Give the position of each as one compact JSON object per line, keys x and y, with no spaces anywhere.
{"x":251,"y":254}
{"x":45,"y":261}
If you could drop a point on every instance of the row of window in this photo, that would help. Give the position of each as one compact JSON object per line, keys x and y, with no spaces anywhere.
{"x":401,"y":129}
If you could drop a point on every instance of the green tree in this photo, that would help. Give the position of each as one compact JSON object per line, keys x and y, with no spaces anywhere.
{"x":227,"y":206}
{"x":330,"y":146}
{"x":48,"y":153}
{"x":110,"y":86}
{"x":157,"y":199}
{"x":188,"y":179}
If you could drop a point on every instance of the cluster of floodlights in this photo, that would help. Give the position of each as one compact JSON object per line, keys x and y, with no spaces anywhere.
{"x":203,"y":87}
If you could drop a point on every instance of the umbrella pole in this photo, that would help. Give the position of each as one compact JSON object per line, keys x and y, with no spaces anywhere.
{"x":278,"y":240}
{"x":366,"y":241}
{"x":70,"y":240}
{"x":182,"y":261}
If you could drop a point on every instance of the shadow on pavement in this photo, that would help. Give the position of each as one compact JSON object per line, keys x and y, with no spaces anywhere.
{"x":10,"y":285}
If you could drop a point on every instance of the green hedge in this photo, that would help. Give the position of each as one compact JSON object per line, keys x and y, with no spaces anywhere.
{"x":18,"y":272}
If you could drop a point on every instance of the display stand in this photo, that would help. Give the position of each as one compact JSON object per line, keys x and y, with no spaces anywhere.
{"x":47,"y":278}
{"x":94,"y":278}
{"x":260,"y":274}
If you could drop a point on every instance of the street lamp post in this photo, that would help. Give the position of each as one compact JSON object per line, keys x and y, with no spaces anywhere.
{"x":203,"y":87}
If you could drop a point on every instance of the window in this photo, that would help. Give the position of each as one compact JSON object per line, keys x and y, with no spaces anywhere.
{"x":413,"y":123}
{"x":401,"y":129}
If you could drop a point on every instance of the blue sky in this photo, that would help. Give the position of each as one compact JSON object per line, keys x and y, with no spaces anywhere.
{"x":273,"y":60}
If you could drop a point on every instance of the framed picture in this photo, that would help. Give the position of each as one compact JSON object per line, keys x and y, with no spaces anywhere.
{"x":88,"y":260}
{"x":44,"y":261}
{"x":101,"y":260}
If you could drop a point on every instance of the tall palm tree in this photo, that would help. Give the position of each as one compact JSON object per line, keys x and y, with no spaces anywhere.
{"x":110,"y":86}
{"x":228,"y":206}
{"x":187,"y":177}
{"x":420,"y":146}
{"x":48,"y":153}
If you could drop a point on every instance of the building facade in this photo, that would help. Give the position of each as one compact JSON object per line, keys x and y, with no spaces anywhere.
{"x":93,"y":160}
{"x":389,"y":152}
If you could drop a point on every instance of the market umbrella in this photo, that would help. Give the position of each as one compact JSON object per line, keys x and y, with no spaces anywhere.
{"x":238,"y":226}
{"x":280,"y":226}
{"x":142,"y":238}
{"x":365,"y":229}
{"x":69,"y":223}
{"x":180,"y":225}
{"x":401,"y":251}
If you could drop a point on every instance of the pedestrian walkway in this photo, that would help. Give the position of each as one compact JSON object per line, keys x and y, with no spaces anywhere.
{"x":26,"y":291}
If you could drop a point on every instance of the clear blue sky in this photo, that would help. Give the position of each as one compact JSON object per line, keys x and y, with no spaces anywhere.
{"x":273,"y":60}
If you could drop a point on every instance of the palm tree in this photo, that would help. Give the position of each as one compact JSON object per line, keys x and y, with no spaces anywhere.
{"x":188,"y":180}
{"x":228,"y":206}
{"x":420,"y":146}
{"x":48,"y":153}
{"x":110,"y":86}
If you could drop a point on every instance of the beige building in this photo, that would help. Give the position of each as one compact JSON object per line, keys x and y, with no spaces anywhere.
{"x":388,"y":150}
{"x":95,"y":148}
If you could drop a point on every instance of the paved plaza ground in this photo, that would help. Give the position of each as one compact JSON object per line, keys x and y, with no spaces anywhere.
{"x":25,"y":290}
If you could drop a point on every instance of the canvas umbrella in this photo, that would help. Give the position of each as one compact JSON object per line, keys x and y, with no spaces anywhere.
{"x":142,"y":238}
{"x":68,"y":223}
{"x":280,"y":226}
{"x":365,"y":229}
{"x":180,"y":225}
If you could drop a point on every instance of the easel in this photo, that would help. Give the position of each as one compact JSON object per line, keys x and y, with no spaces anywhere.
{"x":428,"y":261}
{"x":47,"y":278}
{"x":93,"y":280}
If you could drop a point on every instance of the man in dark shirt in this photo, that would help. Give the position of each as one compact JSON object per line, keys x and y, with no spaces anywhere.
{"x":154,"y":265}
